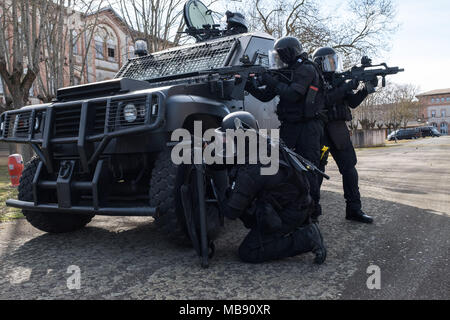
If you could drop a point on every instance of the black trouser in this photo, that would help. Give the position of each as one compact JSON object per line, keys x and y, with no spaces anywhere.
{"x":305,"y":139}
{"x":258,"y":247}
{"x":345,"y":157}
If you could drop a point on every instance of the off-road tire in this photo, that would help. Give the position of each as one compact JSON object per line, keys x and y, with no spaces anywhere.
{"x":162,"y":194}
{"x":165,"y":183}
{"x":52,"y":222}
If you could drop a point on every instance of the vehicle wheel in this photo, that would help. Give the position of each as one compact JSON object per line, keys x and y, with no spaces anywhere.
{"x":165,"y":183}
{"x":52,"y":222}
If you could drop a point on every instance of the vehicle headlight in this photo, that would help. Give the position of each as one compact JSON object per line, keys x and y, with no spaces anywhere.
{"x":130,"y":112}
{"x":2,"y":126}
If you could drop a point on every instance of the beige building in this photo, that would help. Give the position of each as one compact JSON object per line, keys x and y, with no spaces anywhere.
{"x":435,"y":108}
{"x":110,"y":47}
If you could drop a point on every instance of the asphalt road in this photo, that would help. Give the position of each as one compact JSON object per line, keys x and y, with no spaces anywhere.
{"x":406,"y":187}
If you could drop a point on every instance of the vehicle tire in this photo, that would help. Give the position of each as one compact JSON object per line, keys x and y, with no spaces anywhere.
{"x":52,"y":222}
{"x":165,"y":183}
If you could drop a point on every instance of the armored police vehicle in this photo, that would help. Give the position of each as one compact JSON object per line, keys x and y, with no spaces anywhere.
{"x":104,"y":148}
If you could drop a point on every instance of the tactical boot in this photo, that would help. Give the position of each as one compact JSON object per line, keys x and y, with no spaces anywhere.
{"x":359,"y":216}
{"x":318,"y":247}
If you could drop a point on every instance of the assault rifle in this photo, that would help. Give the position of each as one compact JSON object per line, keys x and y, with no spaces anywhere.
{"x":234,"y":78}
{"x":297,"y":161}
{"x":366,"y":72}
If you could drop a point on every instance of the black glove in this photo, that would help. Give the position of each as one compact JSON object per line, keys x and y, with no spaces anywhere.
{"x":353,"y":84}
{"x":370,"y":85}
{"x":268,"y":80}
{"x":250,"y":84}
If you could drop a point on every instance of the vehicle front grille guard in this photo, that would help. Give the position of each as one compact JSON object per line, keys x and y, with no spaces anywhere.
{"x":173,"y":63}
{"x":67,"y":123}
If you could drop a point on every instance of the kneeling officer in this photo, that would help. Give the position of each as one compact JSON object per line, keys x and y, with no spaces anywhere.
{"x":299,"y":85}
{"x":276,"y":208}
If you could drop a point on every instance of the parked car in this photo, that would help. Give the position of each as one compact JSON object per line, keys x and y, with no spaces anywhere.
{"x":429,"y":131}
{"x":401,"y":134}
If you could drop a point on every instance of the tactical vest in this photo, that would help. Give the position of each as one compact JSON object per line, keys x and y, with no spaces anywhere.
{"x":338,"y":110}
{"x":309,"y":106}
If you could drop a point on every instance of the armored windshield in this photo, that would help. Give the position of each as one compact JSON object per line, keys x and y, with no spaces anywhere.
{"x":178,"y":61}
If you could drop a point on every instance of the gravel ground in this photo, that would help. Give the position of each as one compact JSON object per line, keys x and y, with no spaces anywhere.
{"x":406,"y":187}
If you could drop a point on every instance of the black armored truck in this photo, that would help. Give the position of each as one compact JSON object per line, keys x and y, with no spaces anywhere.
{"x":104,"y":148}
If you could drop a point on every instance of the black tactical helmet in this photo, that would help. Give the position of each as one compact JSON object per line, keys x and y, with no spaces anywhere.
{"x":226,"y":145}
{"x":327,"y":59}
{"x":236,"y":19}
{"x":289,"y":49}
{"x":247,"y":119}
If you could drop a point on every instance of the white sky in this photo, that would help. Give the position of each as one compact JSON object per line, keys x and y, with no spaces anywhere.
{"x":421,"y":45}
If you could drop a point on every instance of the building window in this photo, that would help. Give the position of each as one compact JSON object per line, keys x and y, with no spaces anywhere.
{"x":99,"y":54}
{"x":448,"y":99}
{"x":432,"y":100}
{"x":74,"y":42}
{"x":443,"y":113}
{"x":434,"y":124}
{"x":442,"y":100}
{"x":111,"y":54}
{"x":444,"y":128}
{"x":111,"y":50}
{"x":433,"y":113}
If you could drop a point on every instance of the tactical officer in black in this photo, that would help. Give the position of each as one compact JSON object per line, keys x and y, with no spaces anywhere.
{"x":276,"y":208}
{"x":236,"y":23}
{"x":299,"y":86}
{"x":337,"y":136}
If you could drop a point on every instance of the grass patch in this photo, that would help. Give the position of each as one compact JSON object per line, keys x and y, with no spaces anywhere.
{"x":7,"y":192}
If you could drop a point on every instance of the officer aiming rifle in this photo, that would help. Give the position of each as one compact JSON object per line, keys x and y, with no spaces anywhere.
{"x":365,"y":73}
{"x":342,"y":92}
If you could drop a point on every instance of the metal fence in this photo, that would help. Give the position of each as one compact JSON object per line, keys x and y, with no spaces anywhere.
{"x":178,"y":61}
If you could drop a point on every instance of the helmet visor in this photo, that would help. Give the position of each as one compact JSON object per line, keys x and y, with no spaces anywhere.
{"x":332,"y":63}
{"x":275,"y":62}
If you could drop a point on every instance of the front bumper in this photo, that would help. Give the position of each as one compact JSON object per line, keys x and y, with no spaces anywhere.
{"x":106,"y":211}
{"x":66,"y":187}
